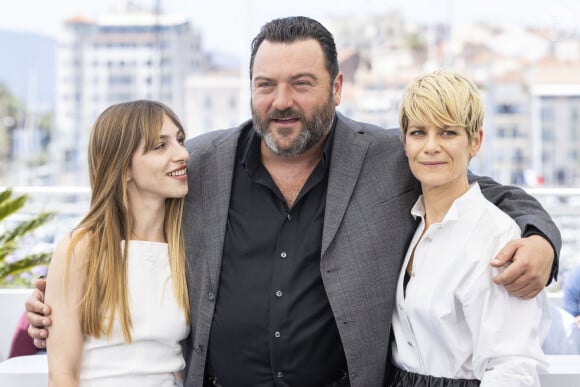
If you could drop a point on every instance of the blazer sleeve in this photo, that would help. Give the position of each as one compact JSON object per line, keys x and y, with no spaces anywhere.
{"x":528,"y":213}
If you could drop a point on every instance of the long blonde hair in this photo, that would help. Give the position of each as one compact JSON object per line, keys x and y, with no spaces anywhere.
{"x":114,"y":139}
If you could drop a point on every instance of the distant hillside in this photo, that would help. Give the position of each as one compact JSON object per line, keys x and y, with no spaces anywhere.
{"x":27,"y":66}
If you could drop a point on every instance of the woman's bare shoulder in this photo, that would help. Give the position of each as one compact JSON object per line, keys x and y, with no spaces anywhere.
{"x":80,"y":238}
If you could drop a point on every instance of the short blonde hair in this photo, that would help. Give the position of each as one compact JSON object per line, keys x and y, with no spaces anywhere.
{"x":443,"y":99}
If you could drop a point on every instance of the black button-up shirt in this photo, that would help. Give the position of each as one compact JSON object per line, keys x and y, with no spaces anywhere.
{"x":273,"y":325}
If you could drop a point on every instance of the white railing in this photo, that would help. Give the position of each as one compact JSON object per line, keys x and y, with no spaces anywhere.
{"x":71,"y":203}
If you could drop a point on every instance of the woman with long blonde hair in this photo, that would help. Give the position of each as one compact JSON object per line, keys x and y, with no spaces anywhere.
{"x":116,"y":283}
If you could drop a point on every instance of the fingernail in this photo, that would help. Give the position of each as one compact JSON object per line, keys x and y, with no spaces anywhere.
{"x":44,"y":311}
{"x":42,"y":334}
{"x":44,"y":321}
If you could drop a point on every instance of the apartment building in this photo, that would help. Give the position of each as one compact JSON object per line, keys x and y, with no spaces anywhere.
{"x":217,"y":99}
{"x":555,"y":93}
{"x":128,"y":54}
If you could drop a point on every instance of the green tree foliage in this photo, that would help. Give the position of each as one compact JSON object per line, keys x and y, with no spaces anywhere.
{"x":9,"y":237}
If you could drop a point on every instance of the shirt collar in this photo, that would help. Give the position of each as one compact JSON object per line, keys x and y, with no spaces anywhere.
{"x":461,"y":205}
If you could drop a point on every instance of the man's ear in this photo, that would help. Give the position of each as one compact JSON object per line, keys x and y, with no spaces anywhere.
{"x":337,"y":89}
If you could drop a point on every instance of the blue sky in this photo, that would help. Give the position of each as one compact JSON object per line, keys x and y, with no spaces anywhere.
{"x":228,"y":25}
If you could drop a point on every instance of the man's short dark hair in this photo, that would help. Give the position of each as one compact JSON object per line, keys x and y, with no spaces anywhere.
{"x":292,"y":29}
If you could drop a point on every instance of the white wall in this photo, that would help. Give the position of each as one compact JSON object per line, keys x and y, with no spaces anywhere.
{"x":11,"y":308}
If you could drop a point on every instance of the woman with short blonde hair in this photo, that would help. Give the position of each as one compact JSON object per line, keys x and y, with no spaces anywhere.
{"x":452,"y":325}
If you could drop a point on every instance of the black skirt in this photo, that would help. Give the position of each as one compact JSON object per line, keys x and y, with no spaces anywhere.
{"x":402,"y":378}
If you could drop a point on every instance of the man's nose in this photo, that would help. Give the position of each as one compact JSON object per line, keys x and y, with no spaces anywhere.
{"x":282,"y":98}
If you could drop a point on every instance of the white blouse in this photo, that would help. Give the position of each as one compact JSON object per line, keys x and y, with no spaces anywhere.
{"x":453,"y":321}
{"x":154,"y":355}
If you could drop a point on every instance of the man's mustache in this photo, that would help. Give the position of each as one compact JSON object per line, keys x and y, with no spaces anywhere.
{"x":286,"y":113}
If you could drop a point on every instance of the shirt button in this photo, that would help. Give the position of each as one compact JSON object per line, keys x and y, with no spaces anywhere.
{"x":279,"y":293}
{"x":283,"y":255}
{"x":410,"y":343}
{"x":280,"y":374}
{"x":289,"y":217}
{"x":211,"y":296}
{"x":276,"y":334}
{"x":428,"y":239}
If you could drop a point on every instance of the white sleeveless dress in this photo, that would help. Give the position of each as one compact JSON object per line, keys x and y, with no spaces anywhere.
{"x":153,"y":356}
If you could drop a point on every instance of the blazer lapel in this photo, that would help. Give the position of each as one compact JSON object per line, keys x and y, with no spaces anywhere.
{"x":217,"y":180}
{"x":348,"y":155}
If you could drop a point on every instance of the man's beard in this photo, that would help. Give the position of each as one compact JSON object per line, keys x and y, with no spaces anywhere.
{"x":313,"y":129}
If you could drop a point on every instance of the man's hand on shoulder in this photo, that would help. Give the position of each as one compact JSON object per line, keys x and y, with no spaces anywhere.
{"x":37,"y":314}
{"x":529,"y":265}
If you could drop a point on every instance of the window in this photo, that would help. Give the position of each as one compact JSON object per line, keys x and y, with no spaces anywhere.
{"x":507,"y":109}
{"x":547,"y":133}
{"x":574,"y":123}
{"x":120,"y":79}
{"x":548,"y":114}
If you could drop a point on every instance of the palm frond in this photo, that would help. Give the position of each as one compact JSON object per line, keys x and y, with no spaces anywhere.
{"x":24,"y":264}
{"x":4,"y":195}
{"x":8,"y":207}
{"x":9,"y":238}
{"x":26,"y":227}
{"x":6,"y":249}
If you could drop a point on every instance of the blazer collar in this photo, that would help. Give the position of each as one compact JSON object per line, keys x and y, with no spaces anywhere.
{"x":218,"y":172}
{"x":348,"y":155}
